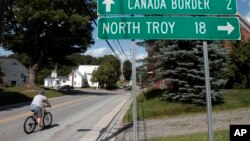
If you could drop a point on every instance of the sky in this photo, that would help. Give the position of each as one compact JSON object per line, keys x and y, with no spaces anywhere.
{"x":100,"y":48}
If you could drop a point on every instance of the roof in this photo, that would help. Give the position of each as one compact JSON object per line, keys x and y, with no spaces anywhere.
{"x":6,"y":64}
{"x":244,"y":22}
{"x":76,"y":71}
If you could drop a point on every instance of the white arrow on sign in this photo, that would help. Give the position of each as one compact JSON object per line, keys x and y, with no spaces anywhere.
{"x":229,"y":28}
{"x":108,"y":4}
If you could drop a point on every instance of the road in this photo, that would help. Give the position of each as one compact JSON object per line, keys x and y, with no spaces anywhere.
{"x":75,"y":117}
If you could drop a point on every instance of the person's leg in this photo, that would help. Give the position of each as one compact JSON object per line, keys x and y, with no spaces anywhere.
{"x":39,"y":121}
{"x":39,"y":117}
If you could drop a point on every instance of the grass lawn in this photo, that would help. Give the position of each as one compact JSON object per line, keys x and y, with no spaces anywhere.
{"x":11,"y":95}
{"x":218,"y":136}
{"x":150,"y":105}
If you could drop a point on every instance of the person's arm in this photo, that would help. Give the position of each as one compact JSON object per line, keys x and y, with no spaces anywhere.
{"x":47,"y":103}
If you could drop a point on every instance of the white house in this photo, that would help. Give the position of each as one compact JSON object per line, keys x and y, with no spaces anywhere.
{"x":78,"y":78}
{"x":14,"y":73}
{"x":81,"y":77}
{"x":55,"y":81}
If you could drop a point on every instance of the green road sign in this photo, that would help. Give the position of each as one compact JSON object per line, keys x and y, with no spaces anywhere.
{"x":194,"y":7}
{"x":181,"y":28}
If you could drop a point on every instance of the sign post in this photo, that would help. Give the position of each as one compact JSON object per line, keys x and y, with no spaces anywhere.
{"x":177,"y":27}
{"x":208,"y":92}
{"x":134,"y":90}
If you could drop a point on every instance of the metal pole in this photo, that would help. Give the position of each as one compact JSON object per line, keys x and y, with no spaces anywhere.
{"x":208,"y":92}
{"x":134,"y":92}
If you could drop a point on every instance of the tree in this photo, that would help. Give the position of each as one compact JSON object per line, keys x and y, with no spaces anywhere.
{"x":238,"y":68}
{"x":2,"y":7}
{"x":47,"y":30}
{"x":127,"y":70}
{"x":1,"y":76}
{"x":108,"y":72}
{"x":181,"y":63}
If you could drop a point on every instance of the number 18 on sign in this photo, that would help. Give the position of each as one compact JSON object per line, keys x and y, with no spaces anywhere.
{"x":177,"y":28}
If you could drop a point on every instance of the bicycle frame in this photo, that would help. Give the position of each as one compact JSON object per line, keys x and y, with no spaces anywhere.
{"x":31,"y":121}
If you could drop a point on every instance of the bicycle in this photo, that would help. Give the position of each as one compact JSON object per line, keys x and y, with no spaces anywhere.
{"x":30,"y":123}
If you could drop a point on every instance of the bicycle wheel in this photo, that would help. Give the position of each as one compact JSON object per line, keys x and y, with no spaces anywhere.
{"x":29,"y":124}
{"x":47,"y":119}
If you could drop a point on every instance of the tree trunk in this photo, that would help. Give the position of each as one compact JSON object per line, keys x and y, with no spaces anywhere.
{"x":33,"y":70}
{"x":32,"y":76}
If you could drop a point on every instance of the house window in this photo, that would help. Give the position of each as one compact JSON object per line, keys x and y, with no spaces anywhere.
{"x":75,"y":75}
{"x":13,"y":83}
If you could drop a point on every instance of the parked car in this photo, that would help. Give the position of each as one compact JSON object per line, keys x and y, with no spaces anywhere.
{"x":65,"y":87}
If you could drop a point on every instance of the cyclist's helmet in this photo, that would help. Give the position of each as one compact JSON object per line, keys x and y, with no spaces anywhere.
{"x":41,"y":92}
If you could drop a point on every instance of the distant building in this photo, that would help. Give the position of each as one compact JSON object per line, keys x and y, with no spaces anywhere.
{"x":81,"y":77}
{"x":55,"y":81}
{"x":13,"y":72}
{"x":244,"y":29}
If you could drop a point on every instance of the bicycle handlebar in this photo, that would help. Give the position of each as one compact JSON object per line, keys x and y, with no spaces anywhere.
{"x":44,"y":106}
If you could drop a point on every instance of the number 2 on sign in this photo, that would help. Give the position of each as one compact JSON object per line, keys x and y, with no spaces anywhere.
{"x":200,"y":27}
{"x":229,"y":5}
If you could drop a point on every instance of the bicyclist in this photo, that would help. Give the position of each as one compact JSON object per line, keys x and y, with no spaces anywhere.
{"x":37,"y":104}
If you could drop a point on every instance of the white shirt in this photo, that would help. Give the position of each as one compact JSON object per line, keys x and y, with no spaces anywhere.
{"x":38,"y":100}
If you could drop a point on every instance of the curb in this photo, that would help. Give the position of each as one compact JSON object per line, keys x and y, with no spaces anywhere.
{"x":97,"y":131}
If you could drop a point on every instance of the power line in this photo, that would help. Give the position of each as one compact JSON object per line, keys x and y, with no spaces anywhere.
{"x":122,"y":50}
{"x":93,"y":19}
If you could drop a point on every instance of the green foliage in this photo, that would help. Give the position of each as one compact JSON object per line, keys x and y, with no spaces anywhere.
{"x":2,"y":7}
{"x":238,"y":69}
{"x":48,"y":30}
{"x":13,"y":95}
{"x":127,"y":70}
{"x":79,"y":59}
{"x":218,"y":136}
{"x":42,"y":75}
{"x":56,"y":28}
{"x":181,"y":63}
{"x":108,"y":72}
{"x":22,"y":58}
{"x":151,"y":105}
{"x":1,"y":77}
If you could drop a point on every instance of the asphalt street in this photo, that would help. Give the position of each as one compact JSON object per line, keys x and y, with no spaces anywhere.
{"x":82,"y":116}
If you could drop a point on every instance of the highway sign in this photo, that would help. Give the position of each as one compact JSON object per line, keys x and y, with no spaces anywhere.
{"x":147,"y":7}
{"x":176,"y":28}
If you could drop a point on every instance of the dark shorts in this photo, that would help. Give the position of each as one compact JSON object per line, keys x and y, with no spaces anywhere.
{"x":37,"y":110}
